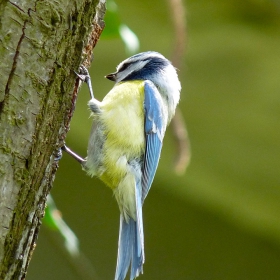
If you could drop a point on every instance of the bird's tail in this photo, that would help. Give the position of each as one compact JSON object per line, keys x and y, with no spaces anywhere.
{"x":131,"y":245}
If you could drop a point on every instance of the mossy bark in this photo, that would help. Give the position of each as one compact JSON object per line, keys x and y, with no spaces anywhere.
{"x":41,"y":43}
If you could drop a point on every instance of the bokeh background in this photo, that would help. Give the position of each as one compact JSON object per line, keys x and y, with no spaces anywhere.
{"x":221,"y":219}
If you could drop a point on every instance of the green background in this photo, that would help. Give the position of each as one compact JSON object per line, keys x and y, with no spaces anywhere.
{"x":221,"y":220}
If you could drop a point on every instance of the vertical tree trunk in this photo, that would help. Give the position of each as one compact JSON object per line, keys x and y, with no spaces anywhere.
{"x":41,"y":43}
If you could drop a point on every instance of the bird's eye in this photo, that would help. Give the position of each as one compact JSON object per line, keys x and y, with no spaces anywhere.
{"x":123,"y":67}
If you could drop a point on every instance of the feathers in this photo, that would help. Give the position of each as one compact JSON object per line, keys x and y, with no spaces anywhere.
{"x":127,"y":243}
{"x":131,"y":235}
{"x":131,"y":242}
{"x":126,"y":142}
{"x":154,"y":130}
{"x":130,"y":250}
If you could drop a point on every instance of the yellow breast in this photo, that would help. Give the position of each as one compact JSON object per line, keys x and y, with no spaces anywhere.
{"x":123,"y":120}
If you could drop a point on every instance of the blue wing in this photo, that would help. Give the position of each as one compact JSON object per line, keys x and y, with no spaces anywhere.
{"x":154,"y":131}
{"x":131,"y":236}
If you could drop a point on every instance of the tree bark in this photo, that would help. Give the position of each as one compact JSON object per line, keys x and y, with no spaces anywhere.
{"x":41,"y":43}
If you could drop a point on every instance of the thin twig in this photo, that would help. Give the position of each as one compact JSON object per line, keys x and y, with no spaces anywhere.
{"x":180,"y":133}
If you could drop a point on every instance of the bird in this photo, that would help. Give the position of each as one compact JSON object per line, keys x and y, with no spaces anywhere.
{"x":125,"y":143}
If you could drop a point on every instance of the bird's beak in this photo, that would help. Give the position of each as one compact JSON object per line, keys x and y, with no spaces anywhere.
{"x":111,"y":77}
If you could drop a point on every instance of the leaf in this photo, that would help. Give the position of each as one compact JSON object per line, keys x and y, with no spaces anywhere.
{"x":116,"y":29}
{"x":53,"y":219}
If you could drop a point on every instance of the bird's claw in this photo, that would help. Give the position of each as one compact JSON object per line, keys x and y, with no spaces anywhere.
{"x":58,"y":154}
{"x":83,"y":74}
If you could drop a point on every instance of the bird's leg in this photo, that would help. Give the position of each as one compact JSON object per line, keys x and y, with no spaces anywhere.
{"x":85,"y":77}
{"x":72,"y":154}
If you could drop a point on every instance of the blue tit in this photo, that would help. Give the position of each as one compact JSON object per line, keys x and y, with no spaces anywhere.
{"x":126,"y":140}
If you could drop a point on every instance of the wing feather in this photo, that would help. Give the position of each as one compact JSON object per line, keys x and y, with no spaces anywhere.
{"x":154,"y":131}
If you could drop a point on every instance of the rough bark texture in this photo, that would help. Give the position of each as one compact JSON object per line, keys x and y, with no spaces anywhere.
{"x":41,"y":43}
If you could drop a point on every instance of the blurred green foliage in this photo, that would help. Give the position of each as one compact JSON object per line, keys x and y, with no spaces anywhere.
{"x":115,"y":28}
{"x":220,"y":220}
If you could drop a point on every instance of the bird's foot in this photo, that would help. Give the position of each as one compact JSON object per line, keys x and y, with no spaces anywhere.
{"x":84,"y":76}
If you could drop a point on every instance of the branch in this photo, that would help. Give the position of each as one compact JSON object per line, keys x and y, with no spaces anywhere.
{"x":180,"y":132}
{"x":42,"y":42}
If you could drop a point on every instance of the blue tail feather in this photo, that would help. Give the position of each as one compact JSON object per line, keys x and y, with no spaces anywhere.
{"x":138,"y":257}
{"x":124,"y":250}
{"x":131,"y":244}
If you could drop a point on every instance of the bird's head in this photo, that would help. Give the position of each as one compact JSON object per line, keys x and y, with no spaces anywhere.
{"x":154,"y":67}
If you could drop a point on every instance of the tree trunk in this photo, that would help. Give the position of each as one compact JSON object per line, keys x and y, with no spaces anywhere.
{"x":41,"y":43}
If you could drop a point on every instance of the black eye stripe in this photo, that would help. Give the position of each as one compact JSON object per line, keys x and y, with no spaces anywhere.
{"x":152,"y":63}
{"x":123,"y":67}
